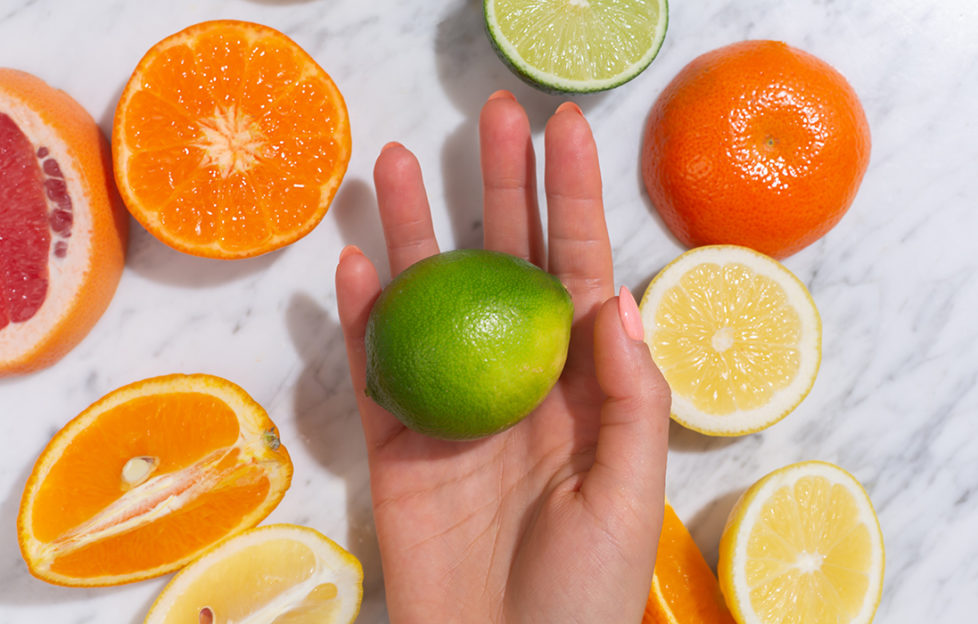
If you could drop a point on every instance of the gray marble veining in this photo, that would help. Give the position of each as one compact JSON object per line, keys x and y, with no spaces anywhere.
{"x":895,"y":402}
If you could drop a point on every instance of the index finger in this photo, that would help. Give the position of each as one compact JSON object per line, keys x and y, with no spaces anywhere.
{"x":404,"y":211}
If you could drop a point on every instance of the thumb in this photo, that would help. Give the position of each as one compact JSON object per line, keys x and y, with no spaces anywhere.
{"x":628,"y":476}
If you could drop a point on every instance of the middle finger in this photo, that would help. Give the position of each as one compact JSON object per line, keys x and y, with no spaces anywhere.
{"x":511,"y":217}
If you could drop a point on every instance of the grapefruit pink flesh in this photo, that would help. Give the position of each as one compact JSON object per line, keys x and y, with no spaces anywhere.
{"x":29,"y":179}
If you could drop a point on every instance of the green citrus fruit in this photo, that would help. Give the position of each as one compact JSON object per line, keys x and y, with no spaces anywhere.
{"x":576,"y":46}
{"x":466,"y":343}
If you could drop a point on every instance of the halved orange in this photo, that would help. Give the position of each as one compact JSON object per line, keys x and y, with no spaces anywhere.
{"x":63,"y":228}
{"x":147,"y":478}
{"x":684,"y":588}
{"x":229,"y":140}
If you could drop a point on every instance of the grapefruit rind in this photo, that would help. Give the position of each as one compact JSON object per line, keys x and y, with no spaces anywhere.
{"x":784,"y":401}
{"x":81,"y":284}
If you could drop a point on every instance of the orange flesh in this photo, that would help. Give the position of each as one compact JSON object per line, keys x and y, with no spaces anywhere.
{"x":687,"y":583}
{"x":170,"y":538}
{"x":233,"y":140}
{"x":195,"y":453}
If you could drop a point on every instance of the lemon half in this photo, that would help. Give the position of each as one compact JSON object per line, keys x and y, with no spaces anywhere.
{"x":803,"y":546}
{"x":279,"y":573}
{"x":736,"y":335}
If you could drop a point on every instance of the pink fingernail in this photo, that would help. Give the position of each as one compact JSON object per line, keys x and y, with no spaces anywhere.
{"x":349,"y":250}
{"x":631,"y":318}
{"x":571,"y":107}
{"x":502,"y":93}
{"x":389,"y":145}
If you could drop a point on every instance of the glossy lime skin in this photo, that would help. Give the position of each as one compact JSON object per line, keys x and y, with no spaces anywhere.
{"x":466,"y":343}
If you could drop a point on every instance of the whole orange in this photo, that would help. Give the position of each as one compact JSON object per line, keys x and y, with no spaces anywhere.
{"x":756,"y":144}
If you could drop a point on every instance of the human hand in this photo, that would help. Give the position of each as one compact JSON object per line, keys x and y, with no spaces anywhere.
{"x":557,"y":518}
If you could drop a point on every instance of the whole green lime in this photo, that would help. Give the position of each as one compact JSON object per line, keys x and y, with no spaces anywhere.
{"x":466,"y":343}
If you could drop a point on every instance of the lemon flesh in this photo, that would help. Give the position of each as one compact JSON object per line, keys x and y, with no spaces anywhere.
{"x":275,"y":573}
{"x":803,"y":546}
{"x":576,"y":46}
{"x":467,"y":343}
{"x":736,"y":335}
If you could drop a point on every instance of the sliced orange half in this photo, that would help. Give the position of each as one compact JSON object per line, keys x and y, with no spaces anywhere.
{"x":148,"y":477}
{"x":229,"y":140}
{"x":684,"y":588}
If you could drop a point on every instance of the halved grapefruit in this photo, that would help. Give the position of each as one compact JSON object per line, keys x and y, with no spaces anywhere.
{"x":63,"y":229}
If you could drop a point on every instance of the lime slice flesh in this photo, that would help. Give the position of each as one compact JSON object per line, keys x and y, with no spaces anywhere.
{"x":577,"y":46}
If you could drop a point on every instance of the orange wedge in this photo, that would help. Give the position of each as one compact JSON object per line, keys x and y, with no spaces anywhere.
{"x":147,"y":478}
{"x":229,"y":140}
{"x":684,"y":588}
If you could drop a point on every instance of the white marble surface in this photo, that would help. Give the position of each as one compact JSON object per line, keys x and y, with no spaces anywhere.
{"x":895,"y":401}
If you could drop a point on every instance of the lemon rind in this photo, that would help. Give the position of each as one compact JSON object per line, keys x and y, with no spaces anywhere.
{"x":784,"y":401}
{"x":329,"y":555}
{"x":733,"y":544}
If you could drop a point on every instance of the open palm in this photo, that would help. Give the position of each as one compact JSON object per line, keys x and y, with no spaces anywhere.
{"x":555,"y":519}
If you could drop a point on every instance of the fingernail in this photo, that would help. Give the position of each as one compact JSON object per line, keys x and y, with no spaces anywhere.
{"x":631,"y":318}
{"x":349,"y":250}
{"x":390,"y":145}
{"x":571,"y":107}
{"x":502,"y":93}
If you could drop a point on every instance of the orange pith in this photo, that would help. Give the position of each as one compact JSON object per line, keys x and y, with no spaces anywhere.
{"x":146,"y":478}
{"x":229,"y":140}
{"x":84,"y":279}
{"x":684,"y":588}
{"x":755,"y":144}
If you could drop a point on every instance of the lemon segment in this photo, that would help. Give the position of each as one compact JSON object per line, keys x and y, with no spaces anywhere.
{"x":283,"y":574}
{"x":803,"y":545}
{"x":736,"y":335}
{"x":576,"y":45}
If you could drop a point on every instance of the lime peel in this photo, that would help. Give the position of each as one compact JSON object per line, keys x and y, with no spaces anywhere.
{"x":576,"y":46}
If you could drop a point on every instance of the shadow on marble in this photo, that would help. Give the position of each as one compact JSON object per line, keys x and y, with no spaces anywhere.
{"x":462,"y":179}
{"x":327,"y":420}
{"x":706,"y":526}
{"x":689,"y":441}
{"x":108,"y":116}
{"x":643,"y":194}
{"x":354,"y":211}
{"x":160,"y":263}
{"x":280,"y":2}
{"x":469,"y":70}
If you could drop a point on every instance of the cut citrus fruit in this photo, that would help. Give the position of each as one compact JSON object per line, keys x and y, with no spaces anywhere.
{"x":736,"y":335}
{"x":63,"y":229}
{"x":684,"y":589}
{"x":803,"y":546}
{"x":148,"y":477}
{"x":278,"y":573}
{"x":229,"y":140}
{"x":576,"y":46}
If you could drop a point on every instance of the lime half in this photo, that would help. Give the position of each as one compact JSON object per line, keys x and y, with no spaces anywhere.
{"x":577,"y":46}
